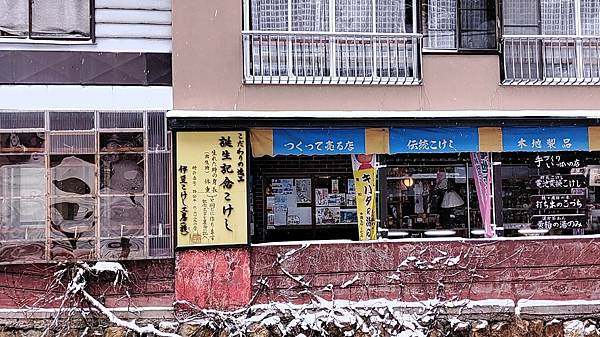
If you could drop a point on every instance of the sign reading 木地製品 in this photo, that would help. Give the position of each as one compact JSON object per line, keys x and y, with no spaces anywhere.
{"x":525,"y":139}
{"x":211,"y":188}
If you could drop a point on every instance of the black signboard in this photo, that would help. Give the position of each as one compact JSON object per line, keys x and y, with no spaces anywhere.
{"x":549,"y":161}
{"x":558,"y":181}
{"x":559,"y":221}
{"x":558,"y":201}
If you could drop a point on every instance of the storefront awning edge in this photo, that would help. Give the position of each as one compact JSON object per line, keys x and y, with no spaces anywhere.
{"x":442,"y":114}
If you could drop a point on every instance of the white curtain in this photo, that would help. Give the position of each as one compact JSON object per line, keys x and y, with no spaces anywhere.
{"x":14,"y":17}
{"x":61,"y":17}
{"x":57,"y":18}
{"x":440,"y":24}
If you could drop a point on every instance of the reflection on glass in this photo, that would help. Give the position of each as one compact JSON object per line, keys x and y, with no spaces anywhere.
{"x":121,"y":216}
{"x":122,"y":248}
{"x":122,"y":142}
{"x":22,"y":219}
{"x":72,"y":218}
{"x":70,"y":249}
{"x":72,"y":174}
{"x":22,"y":142}
{"x":22,"y":251}
{"x":122,"y":173}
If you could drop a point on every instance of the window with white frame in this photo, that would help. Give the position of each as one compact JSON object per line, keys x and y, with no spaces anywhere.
{"x":459,"y":24}
{"x":551,"y":40}
{"x":84,"y":185}
{"x":330,"y":41}
{"x":46,"y":19}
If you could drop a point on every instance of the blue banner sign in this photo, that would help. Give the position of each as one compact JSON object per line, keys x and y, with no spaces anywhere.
{"x":434,"y":140}
{"x":318,"y":141}
{"x":545,"y":139}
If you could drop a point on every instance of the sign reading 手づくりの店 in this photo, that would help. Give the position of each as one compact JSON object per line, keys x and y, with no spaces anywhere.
{"x":545,"y":139}
{"x":211,"y":188}
{"x":318,"y":141}
{"x":434,"y":140}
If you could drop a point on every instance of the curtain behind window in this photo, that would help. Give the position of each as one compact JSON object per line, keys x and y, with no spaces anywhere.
{"x":61,"y":17}
{"x":439,"y":24}
{"x":14,"y":17}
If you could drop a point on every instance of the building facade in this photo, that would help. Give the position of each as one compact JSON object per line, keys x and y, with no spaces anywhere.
{"x":443,"y":94}
{"x":85,"y":154}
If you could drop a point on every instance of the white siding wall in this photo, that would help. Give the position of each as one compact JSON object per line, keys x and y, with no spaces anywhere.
{"x":121,"y":25}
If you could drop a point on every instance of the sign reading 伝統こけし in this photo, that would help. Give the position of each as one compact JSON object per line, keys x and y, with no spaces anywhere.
{"x":211,"y":188}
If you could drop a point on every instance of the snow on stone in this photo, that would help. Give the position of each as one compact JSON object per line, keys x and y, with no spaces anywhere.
{"x":574,"y":328}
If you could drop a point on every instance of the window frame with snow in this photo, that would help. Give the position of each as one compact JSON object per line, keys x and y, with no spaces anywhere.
{"x":34,"y":20}
{"x":551,"y":42}
{"x":331,"y":42}
{"x":454,"y":32}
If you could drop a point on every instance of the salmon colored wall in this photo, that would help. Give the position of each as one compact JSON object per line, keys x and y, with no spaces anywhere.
{"x":207,"y":75}
{"x":559,"y":269}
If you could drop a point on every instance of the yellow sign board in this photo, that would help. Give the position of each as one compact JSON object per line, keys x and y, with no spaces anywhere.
{"x":364,"y":181}
{"x":211,"y":188}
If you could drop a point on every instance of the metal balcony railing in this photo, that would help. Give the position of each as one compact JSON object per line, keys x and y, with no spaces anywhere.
{"x":281,"y":57}
{"x":551,"y":59}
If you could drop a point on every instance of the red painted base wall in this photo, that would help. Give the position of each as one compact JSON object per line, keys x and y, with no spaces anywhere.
{"x":217,"y":278}
{"x":559,"y":269}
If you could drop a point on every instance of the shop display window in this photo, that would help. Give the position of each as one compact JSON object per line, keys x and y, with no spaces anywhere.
{"x":422,"y":201}
{"x":550,"y":193}
{"x":309,"y":205}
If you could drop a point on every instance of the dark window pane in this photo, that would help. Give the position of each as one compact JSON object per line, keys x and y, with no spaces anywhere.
{"x":477,"y":24}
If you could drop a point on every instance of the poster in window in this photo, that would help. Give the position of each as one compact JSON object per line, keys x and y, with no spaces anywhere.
{"x":594,"y":175}
{"x":348,"y":216}
{"x":321,"y":196}
{"x":328,"y":215}
{"x":303,"y":191}
{"x":351,"y":186}
{"x":335,"y":186}
{"x":211,"y":188}
{"x":299,"y":216}
{"x":283,"y":186}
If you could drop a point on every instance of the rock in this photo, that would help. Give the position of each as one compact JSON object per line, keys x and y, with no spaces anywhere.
{"x":165,"y":326}
{"x":574,"y":328}
{"x":258,"y":330}
{"x":536,"y":328}
{"x":554,"y":329}
{"x":189,"y":330}
{"x":115,"y":331}
{"x":7,"y":334}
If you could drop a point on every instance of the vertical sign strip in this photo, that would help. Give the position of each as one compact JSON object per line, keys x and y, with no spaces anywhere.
{"x":482,"y":176}
{"x":365,"y":177}
{"x":211,"y":188}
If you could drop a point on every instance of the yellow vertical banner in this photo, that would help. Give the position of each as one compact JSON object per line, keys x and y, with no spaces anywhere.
{"x":365,"y":178}
{"x":211,"y":188}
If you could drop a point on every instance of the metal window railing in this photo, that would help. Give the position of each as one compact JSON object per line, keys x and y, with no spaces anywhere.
{"x":551,"y":59}
{"x":283,"y":57}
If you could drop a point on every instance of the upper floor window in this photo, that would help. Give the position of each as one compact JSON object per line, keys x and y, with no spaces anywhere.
{"x":45,"y":19}
{"x":459,"y":24}
{"x":331,"y":41}
{"x":551,"y":41}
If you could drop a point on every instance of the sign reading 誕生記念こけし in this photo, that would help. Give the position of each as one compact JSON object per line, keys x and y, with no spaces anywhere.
{"x":211,"y":188}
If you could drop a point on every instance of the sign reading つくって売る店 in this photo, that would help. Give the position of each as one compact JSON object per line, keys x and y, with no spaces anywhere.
{"x":211,"y":188}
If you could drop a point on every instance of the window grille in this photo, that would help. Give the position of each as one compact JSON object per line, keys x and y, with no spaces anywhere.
{"x":331,"y":42}
{"x":551,"y":42}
